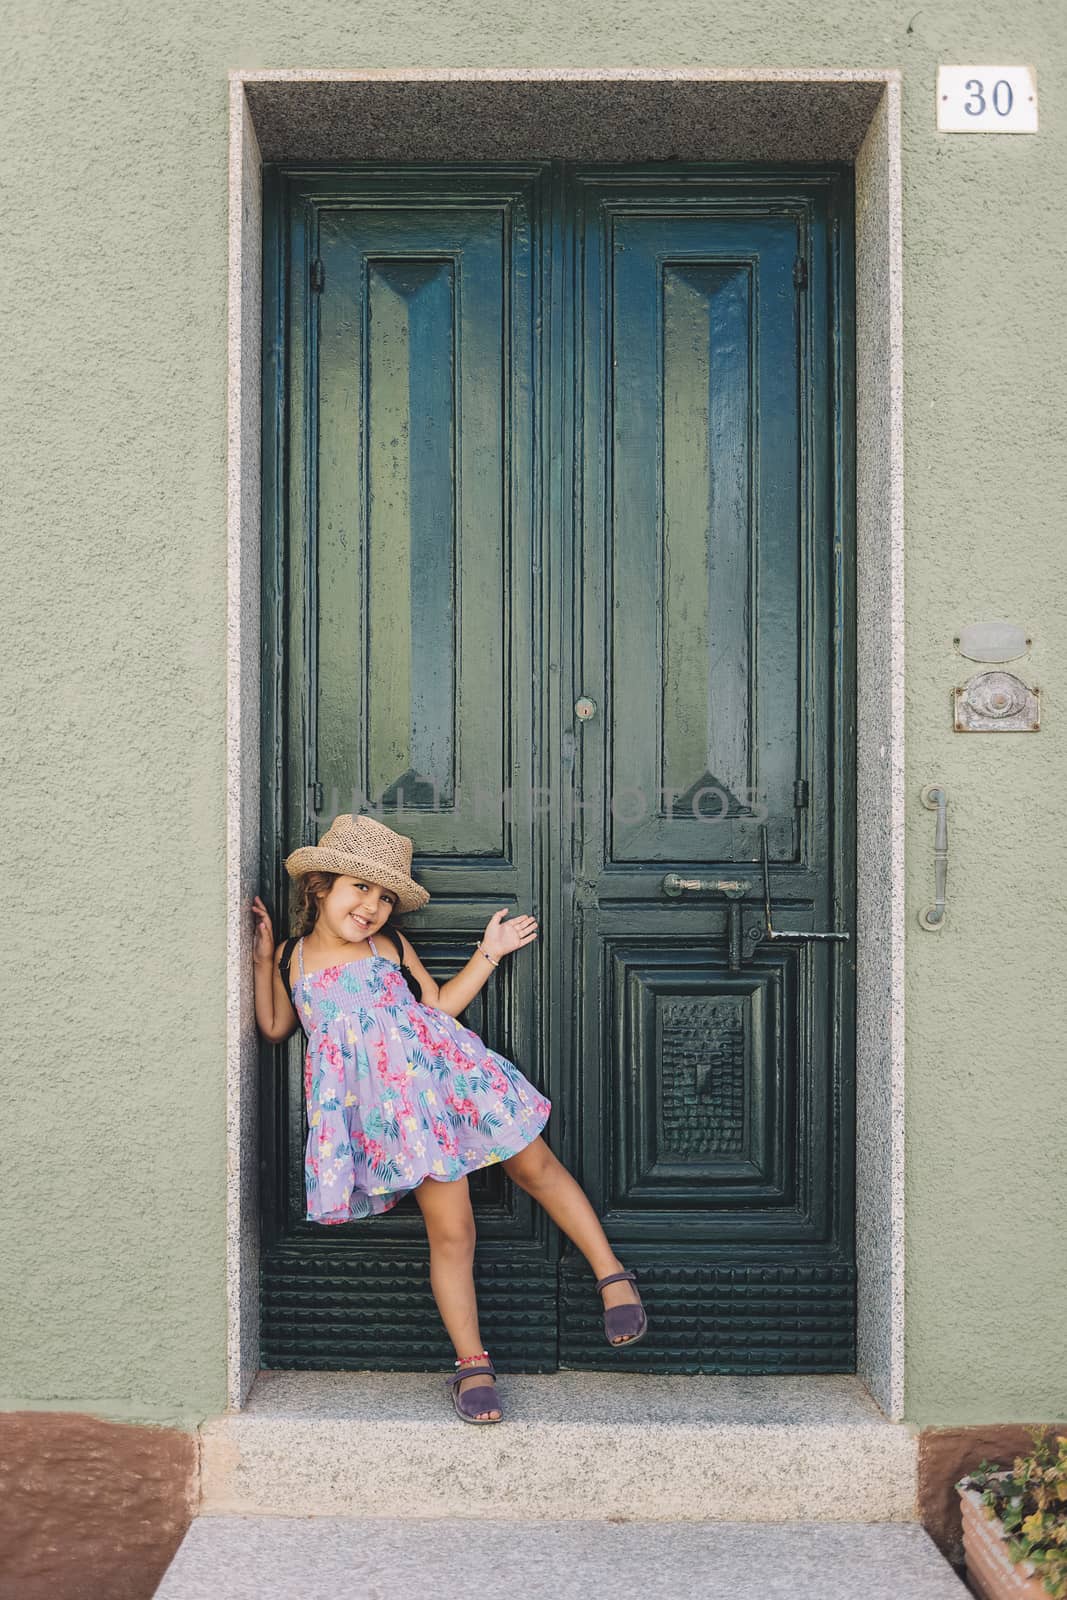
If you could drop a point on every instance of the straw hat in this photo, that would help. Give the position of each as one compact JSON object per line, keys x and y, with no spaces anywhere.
{"x":363,"y":848}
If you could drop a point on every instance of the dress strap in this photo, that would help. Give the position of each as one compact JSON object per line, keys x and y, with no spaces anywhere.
{"x":297,"y":1005}
{"x":300,"y":958}
{"x":285,"y":963}
{"x":373,"y":946}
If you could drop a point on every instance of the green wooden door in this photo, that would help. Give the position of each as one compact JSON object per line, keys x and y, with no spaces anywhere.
{"x":557,"y":577}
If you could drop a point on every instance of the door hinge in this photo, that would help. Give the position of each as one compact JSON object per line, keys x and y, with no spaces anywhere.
{"x":800,"y":272}
{"x":316,"y":798}
{"x":318,"y":276}
{"x":800,"y":792}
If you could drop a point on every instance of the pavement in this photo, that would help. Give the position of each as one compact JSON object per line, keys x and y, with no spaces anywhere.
{"x":454,"y":1558}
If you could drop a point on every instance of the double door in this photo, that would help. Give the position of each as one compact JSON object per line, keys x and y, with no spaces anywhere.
{"x":558,"y":582}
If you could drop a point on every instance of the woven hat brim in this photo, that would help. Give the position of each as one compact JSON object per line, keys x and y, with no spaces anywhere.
{"x":313,"y":858}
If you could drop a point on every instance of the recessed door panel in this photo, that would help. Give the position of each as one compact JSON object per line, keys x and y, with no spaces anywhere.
{"x":701,"y":331}
{"x":422,"y":569}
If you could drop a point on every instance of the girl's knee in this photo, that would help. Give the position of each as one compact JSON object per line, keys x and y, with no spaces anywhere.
{"x":534,"y":1166}
{"x":452,"y":1235}
{"x":447,"y":1213}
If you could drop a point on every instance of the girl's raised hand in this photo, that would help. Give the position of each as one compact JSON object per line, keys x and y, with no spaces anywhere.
{"x":263,"y":941}
{"x":501,"y":938}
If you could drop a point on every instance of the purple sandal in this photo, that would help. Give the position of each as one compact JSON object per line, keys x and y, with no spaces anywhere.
{"x":470,"y":1402}
{"x":624,"y":1323}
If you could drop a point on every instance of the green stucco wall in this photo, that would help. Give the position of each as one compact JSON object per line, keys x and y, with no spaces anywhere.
{"x":114,"y":162}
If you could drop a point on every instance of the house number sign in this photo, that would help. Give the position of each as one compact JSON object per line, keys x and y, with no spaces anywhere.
{"x":986,"y":100}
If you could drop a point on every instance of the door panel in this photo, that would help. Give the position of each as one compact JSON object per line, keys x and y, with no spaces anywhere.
{"x":702,"y":429}
{"x":535,"y":432}
{"x":423,"y":570}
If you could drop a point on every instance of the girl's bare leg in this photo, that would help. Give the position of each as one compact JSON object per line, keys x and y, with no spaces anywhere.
{"x":449,"y":1218}
{"x":547,"y":1181}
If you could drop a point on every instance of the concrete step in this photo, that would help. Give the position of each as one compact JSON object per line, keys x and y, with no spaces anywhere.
{"x":290,"y":1558}
{"x":572,"y":1445}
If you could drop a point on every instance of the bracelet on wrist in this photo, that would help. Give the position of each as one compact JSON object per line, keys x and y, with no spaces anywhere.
{"x":486,"y":954}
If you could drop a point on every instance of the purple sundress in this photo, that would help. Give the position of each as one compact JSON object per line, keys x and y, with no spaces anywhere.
{"x":397,"y":1091}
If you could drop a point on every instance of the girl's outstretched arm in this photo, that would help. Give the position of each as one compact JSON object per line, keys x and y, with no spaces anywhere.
{"x":455,"y":995}
{"x":500,"y":939}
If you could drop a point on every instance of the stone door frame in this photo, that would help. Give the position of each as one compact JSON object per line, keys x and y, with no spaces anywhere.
{"x":609,"y":114}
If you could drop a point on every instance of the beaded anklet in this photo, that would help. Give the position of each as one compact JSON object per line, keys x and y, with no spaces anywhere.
{"x":470,"y":1361}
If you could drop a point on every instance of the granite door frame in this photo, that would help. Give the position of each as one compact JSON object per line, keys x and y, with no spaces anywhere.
{"x":612,"y":115}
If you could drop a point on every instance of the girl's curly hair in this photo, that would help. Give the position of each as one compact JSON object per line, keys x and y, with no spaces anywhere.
{"x":303,"y":905}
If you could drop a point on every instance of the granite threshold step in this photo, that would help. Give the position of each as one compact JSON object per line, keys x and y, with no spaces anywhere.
{"x":573,"y":1445}
{"x":290,"y":1558}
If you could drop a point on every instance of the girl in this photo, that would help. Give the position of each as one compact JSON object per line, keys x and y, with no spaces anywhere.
{"x":400,"y":1096}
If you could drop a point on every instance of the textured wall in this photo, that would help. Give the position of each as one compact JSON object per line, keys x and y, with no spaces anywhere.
{"x":113,"y":429}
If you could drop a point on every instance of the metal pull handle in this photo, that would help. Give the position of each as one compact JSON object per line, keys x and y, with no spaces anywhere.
{"x":674,"y":884}
{"x":734,"y":889}
{"x":935,"y":797}
{"x":770,"y":932}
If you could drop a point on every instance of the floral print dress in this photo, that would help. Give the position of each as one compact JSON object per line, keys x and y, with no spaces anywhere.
{"x":398,"y":1091}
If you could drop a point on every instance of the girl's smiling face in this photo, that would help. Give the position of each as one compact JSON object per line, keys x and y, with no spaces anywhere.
{"x":356,"y":907}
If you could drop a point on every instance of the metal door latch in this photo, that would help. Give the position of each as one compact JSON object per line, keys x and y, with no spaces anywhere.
{"x":735,"y":890}
{"x":770,"y":933}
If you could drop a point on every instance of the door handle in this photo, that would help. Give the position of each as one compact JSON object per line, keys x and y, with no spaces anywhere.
{"x":734,"y":889}
{"x":935,"y":797}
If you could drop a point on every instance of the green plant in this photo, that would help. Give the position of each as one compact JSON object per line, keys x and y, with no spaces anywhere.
{"x":1031,"y":1502}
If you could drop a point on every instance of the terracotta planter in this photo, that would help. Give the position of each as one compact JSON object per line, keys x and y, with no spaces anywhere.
{"x":990,"y":1571}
